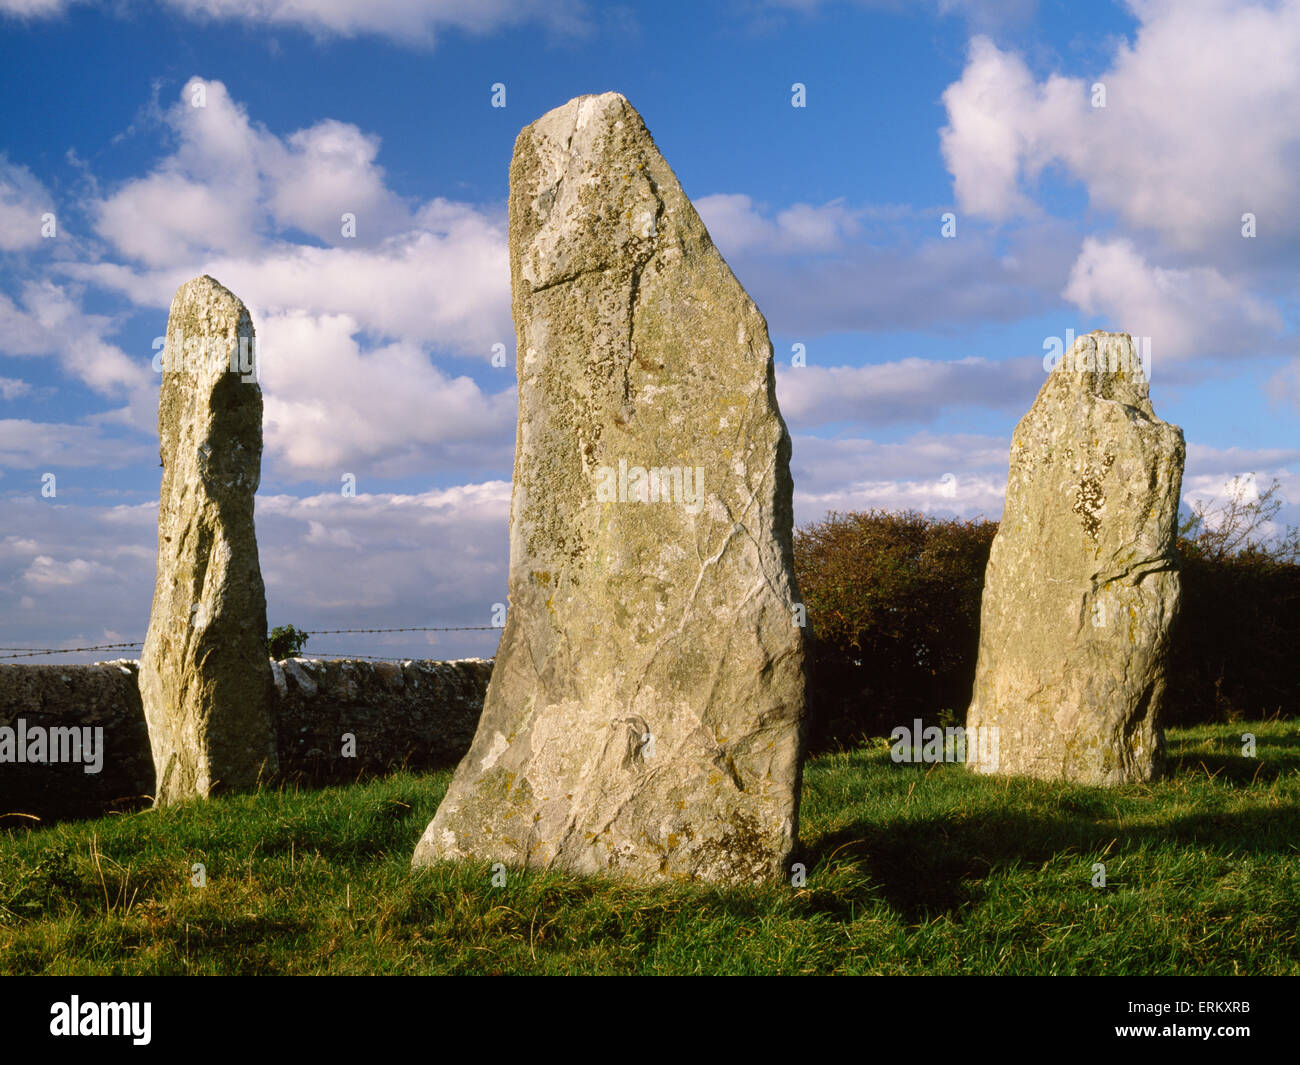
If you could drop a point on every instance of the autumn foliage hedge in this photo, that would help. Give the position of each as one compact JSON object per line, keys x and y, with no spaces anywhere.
{"x":893,"y":602}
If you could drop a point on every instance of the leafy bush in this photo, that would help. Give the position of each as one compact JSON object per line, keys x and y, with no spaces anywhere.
{"x":285,"y":642}
{"x":893,"y":608}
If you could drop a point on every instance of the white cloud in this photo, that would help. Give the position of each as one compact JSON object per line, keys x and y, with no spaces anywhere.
{"x":77,"y":339}
{"x":23,"y":200}
{"x":1198,"y":129}
{"x":45,"y":572}
{"x":1203,"y":460}
{"x":343,"y":330}
{"x":1186,"y":313}
{"x":437,"y":558}
{"x":218,"y":191}
{"x":905,"y":390}
{"x":737,"y":223}
{"x":167,"y":218}
{"x":998,"y":120}
{"x":406,"y":21}
{"x":965,"y":475}
{"x":34,"y":8}
{"x":231,"y":186}
{"x":976,"y":496}
{"x":34,"y":445}
{"x":837,"y":268}
{"x":1199,"y":124}
{"x":12,"y":387}
{"x":436,"y":273}
{"x":324,"y":171}
{"x":50,"y":321}
{"x":332,"y":408}
{"x":416,"y":21}
{"x":943,"y":474}
{"x":447,"y":287}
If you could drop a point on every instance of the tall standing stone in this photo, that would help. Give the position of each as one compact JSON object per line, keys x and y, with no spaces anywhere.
{"x":1082,"y":581}
{"x":205,"y":675}
{"x":644,"y":716}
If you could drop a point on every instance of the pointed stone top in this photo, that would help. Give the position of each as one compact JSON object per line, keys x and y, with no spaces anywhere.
{"x":206,"y":299}
{"x":206,"y":288}
{"x":209,"y":333}
{"x":1109,"y":366}
{"x":590,"y":191}
{"x":585,"y":108}
{"x":573,"y":135}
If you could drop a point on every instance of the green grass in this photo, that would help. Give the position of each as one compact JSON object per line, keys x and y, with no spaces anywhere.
{"x":909,"y":870}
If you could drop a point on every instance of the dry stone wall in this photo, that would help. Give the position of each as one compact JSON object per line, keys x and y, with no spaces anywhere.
{"x":114,"y":771}
{"x":420,"y":714}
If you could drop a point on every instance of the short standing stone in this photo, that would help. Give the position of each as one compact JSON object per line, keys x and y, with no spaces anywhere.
{"x":205,"y":675}
{"x":644,"y":713}
{"x":1082,"y":581}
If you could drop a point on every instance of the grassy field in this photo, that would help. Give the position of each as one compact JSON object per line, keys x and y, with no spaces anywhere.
{"x":909,"y":870}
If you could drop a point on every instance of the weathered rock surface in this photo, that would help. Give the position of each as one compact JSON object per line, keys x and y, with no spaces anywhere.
{"x":205,"y":679}
{"x":644,"y":715}
{"x":1082,"y":583}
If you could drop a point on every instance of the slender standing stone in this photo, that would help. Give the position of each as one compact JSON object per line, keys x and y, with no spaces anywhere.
{"x":205,"y":675}
{"x":645,"y":711}
{"x":1082,"y":581}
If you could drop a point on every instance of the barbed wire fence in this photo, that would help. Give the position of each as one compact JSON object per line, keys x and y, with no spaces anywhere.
{"x":138,"y":645}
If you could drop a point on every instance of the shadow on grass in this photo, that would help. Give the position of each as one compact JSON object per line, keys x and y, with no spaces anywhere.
{"x":1227,"y":767}
{"x":923,"y":867}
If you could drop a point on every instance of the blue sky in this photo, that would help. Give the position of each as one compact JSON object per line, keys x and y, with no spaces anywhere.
{"x":922,"y":351}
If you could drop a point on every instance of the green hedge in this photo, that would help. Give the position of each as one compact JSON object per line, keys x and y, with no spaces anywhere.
{"x":1236,"y":648}
{"x":893,"y":610}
